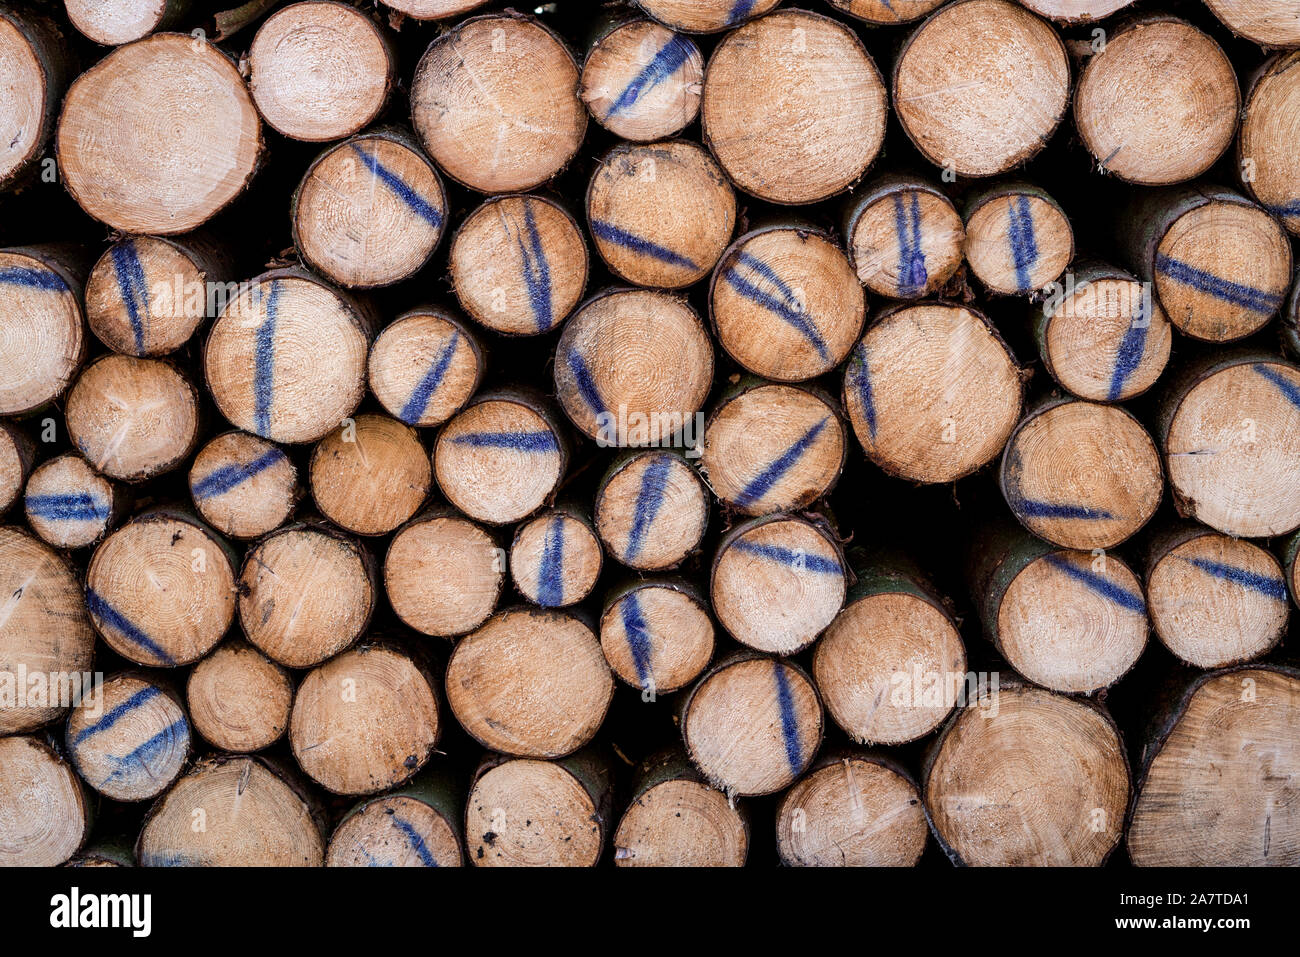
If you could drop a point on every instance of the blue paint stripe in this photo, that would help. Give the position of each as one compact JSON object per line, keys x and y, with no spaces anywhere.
{"x":518,"y":441}
{"x":1032,"y":509}
{"x":421,"y":206}
{"x":72,"y":507}
{"x":415,"y":406}
{"x":638,"y":638}
{"x":161,"y":744}
{"x":788,"y":556}
{"x":1287,"y":210}
{"x":860,"y":381}
{"x":414,"y":839}
{"x":912,"y":275}
{"x":133,"y":288}
{"x":264,"y":363}
{"x":585,"y":382}
{"x":111,"y":716}
{"x":654,"y":483}
{"x":110,"y":616}
{"x":1264,"y":584}
{"x":1285,"y":385}
{"x":1103,"y":587}
{"x":621,"y":237}
{"x":761,"y":484}
{"x":32,"y":278}
{"x":789,"y":726}
{"x":785,"y":304}
{"x":537,"y":272}
{"x":1247,"y":297}
{"x":550,"y":574}
{"x":667,"y":61}
{"x":1024,"y":244}
{"x":222,"y":479}
{"x":1129,"y":357}
{"x":740,"y":10}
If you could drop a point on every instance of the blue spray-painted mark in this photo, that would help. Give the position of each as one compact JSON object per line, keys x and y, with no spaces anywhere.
{"x":1247,"y":297}
{"x":264,"y":363}
{"x":785,"y":304}
{"x":171,"y":859}
{"x":518,"y":441}
{"x":1029,"y":508}
{"x":789,"y":726}
{"x":1103,"y":587}
{"x":586,"y":384}
{"x":739,"y":10}
{"x":413,"y":411}
{"x":762,"y":483}
{"x":638,"y":244}
{"x":664,"y":64}
{"x":1129,"y":357}
{"x":222,"y":479}
{"x":550,"y":574}
{"x":1264,"y":584}
{"x":654,"y":483}
{"x":111,"y":716}
{"x":1024,"y":244}
{"x":860,"y":382}
{"x":421,"y":206}
{"x":131,"y":284}
{"x":72,"y":507}
{"x":638,"y":638}
{"x":1288,"y":210}
{"x":414,"y":839}
{"x":1285,"y":385}
{"x":537,"y":272}
{"x":912,"y":275}
{"x":110,"y":616}
{"x":32,"y":278}
{"x":160,"y":744}
{"x":792,"y":557}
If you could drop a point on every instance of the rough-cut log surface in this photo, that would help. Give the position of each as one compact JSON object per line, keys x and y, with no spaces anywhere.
{"x":443,"y":574}
{"x":424,"y":366}
{"x":656,"y":634}
{"x":17,"y":455}
{"x":705,"y":16}
{"x":69,"y":504}
{"x":42,"y":326}
{"x":33,"y":73}
{"x":642,"y":81}
{"x":1271,"y":121}
{"x":45,"y":811}
{"x":556,"y":558}
{"x":418,"y":825}
{"x":238,"y":699}
{"x":651,"y":509}
{"x":904,"y":235}
{"x":243,"y":486}
{"x":1270,"y":23}
{"x":1018,"y":238}
{"x":370,"y":475}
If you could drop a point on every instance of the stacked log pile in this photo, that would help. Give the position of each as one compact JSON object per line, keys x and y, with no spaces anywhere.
{"x":705,"y":433}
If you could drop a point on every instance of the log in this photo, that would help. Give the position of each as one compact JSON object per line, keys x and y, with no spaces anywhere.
{"x":231,"y":811}
{"x":675,"y":819}
{"x":704,"y":16}
{"x":306,"y":593}
{"x":980,"y":86}
{"x":1025,"y":777}
{"x":133,"y":419}
{"x":933,"y":392}
{"x":1227,"y":426}
{"x":243,"y":486}
{"x":502,"y":457}
{"x":114,"y":22}
{"x":752,"y":724}
{"x":777,"y":582}
{"x":1018,"y":239}
{"x":660,"y":214}
{"x":320,"y":71}
{"x":34,"y":74}
{"x":42,"y":329}
{"x":651,"y":509}
{"x":44,"y":631}
{"x":17,"y":456}
{"x":889,"y":664}
{"x":530,"y":683}
{"x":239,"y":699}
{"x":147,"y":295}
{"x":1081,"y":474}
{"x":633,"y":368}
{"x":135,"y":740}
{"x":46,"y":814}
{"x":519,"y":264}
{"x":656,"y":634}
{"x":419,"y":825}
{"x":773,"y":448}
{"x":1269,"y":23}
{"x":424,"y":366}
{"x":556,"y":558}
{"x":1158,"y":104}
{"x":1102,"y":335}
{"x":1229,"y":739}
{"x":886,"y":12}
{"x":159,"y":136}
{"x":1214,"y":600}
{"x":1219,"y":264}
{"x":1269,"y":168}
{"x":365,"y":721}
{"x":110,"y":852}
{"x":641,"y":81}
{"x":495,"y":101}
{"x":904,"y":235}
{"x":785,"y":303}
{"x":432,"y":9}
{"x":369,"y":211}
{"x":1071,"y":621}
{"x":443,"y":574}
{"x":286,"y":359}
{"x":853,"y":809}
{"x":370,"y":475}
{"x":1076,"y":11}
{"x":821,"y":133}
{"x":69,"y":505}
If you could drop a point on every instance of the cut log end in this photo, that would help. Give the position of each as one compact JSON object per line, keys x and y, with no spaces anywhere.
{"x":114,"y":22}
{"x":31,"y":67}
{"x":1075,"y":11}
{"x":657,"y":636}
{"x":906,"y":239}
{"x":556,"y":558}
{"x":444,"y":575}
{"x":370,"y":475}
{"x":433,"y":9}
{"x":239,"y":699}
{"x":1269,"y":23}
{"x":147,"y":296}
{"x":642,"y":82}
{"x":681,"y":823}
{"x":41,"y":800}
{"x":705,"y":16}
{"x":243,"y":486}
{"x":395,"y":831}
{"x":1268,"y":128}
{"x":886,"y":12}
{"x":17,"y":453}
{"x":70,"y":505}
{"x":652,"y":510}
{"x":1018,"y":240}
{"x":424,"y":367}
{"x":42,"y":332}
